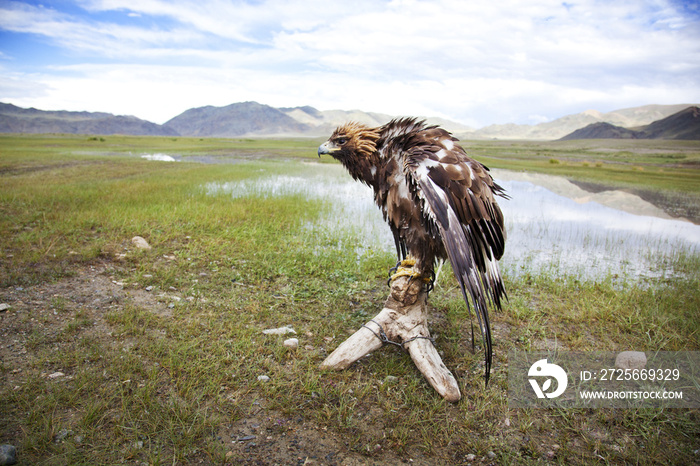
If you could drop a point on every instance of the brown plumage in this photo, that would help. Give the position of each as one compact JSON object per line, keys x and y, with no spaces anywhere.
{"x":438,"y":201}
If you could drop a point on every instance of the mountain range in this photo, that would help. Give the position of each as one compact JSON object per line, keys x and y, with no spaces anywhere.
{"x":30,"y":120}
{"x":254,"y":119}
{"x":561,"y":127}
{"x":682,"y":125}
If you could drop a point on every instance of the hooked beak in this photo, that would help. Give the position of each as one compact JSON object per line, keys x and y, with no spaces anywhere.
{"x":326,"y":148}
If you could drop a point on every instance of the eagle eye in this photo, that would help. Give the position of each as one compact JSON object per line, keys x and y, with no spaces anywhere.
{"x":341,"y":141}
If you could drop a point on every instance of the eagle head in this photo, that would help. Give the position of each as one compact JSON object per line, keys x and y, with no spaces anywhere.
{"x":352,"y":140}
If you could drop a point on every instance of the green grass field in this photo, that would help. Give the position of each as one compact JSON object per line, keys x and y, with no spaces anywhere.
{"x":160,"y":350}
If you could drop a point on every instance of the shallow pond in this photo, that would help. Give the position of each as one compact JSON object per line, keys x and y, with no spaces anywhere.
{"x":548,"y":232}
{"x":158,"y":157}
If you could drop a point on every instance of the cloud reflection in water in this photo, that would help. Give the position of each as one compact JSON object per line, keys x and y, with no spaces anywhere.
{"x":547,"y":232}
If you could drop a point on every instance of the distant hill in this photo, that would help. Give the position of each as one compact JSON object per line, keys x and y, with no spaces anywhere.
{"x":559,"y":128}
{"x":322,"y":123}
{"x":254,"y":119}
{"x":602,"y":130}
{"x":235,"y":120}
{"x":14,"y":119}
{"x":245,"y":118}
{"x":682,"y":125}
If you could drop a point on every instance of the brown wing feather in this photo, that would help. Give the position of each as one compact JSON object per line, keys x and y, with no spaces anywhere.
{"x":459,"y":197}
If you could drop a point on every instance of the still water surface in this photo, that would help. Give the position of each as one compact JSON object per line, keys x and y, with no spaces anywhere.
{"x":547,"y":232}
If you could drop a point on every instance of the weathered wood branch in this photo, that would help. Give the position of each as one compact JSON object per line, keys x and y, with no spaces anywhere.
{"x":403,"y":321}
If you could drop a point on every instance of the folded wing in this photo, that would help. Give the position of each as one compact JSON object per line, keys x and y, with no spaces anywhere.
{"x":457,"y":194}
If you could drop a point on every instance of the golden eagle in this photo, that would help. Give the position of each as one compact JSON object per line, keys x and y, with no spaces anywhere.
{"x":438,"y":201}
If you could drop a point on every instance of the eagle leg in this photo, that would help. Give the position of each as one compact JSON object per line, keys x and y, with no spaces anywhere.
{"x":400,"y":246}
{"x":406,"y":268}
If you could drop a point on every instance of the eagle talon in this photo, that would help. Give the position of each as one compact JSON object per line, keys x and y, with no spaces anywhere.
{"x":406,"y":268}
{"x":394,"y":268}
{"x":430,"y":284}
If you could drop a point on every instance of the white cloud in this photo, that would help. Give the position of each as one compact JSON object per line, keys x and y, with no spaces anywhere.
{"x":476,"y":62}
{"x":76,"y":34}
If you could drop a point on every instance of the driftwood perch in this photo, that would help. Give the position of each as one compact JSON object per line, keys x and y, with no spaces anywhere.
{"x":404,"y":322}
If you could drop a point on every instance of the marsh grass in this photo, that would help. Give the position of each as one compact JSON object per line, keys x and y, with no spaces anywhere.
{"x":169,"y":376}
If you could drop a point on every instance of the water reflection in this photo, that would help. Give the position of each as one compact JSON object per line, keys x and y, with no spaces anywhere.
{"x":550,"y":232}
{"x":350,"y":218}
{"x":547,"y":232}
{"x":159,"y":157}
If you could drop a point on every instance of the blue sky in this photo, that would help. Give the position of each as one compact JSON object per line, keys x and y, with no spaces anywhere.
{"x":475,"y":62}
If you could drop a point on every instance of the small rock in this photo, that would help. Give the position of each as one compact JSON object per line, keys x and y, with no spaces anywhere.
{"x":4,"y":307}
{"x":56,"y":375}
{"x":292,"y":343}
{"x":62,"y":434}
{"x":280,"y":331}
{"x":470,"y":457}
{"x":140,"y":243}
{"x":149,"y":288}
{"x":263,"y":378}
{"x":507,"y":422}
{"x":631,"y":360}
{"x":491,"y":455}
{"x":390,"y":379}
{"x":8,"y":454}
